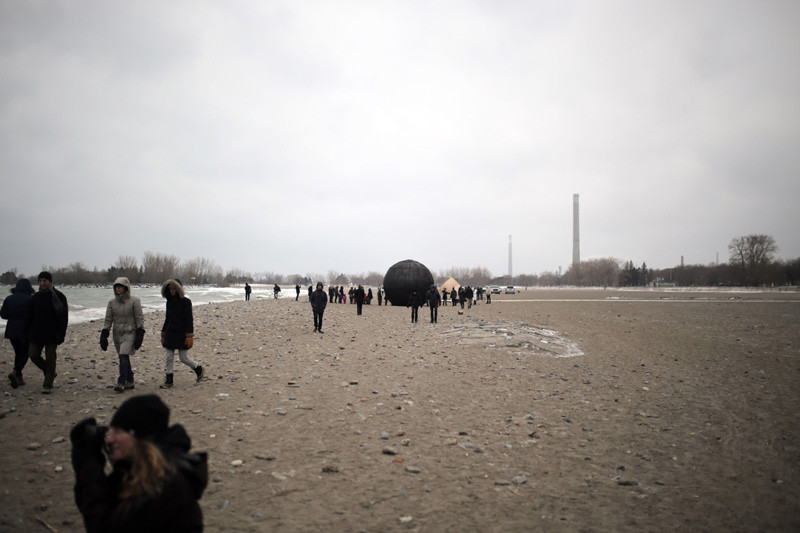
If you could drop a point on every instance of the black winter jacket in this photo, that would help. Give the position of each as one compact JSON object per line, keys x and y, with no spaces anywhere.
{"x":44,"y":324}
{"x":319,"y":300}
{"x":175,"y":509}
{"x":179,"y":322}
{"x":15,"y":309}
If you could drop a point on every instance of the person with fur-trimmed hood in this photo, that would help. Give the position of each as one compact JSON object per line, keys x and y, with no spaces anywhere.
{"x":177,"y":333}
{"x":124,"y":312}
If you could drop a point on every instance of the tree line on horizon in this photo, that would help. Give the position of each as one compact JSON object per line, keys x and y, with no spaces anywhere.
{"x":751,"y":263}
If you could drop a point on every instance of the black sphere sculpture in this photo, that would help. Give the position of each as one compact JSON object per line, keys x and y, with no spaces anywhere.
{"x":404,"y":277}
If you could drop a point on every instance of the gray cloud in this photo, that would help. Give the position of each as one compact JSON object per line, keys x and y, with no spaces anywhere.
{"x":315,"y":136}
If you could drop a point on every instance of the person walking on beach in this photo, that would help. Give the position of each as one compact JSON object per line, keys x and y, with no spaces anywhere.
{"x":444,"y":297}
{"x":318,"y":302}
{"x":14,"y":310}
{"x":247,"y":291}
{"x":414,"y":303}
{"x":276,"y":290}
{"x":155,"y":482}
{"x":46,"y":327}
{"x":433,"y":302}
{"x":177,"y":333}
{"x":124,"y":313}
{"x":453,"y":296}
{"x":359,"y":297}
{"x":297,"y":291}
{"x":380,"y":296}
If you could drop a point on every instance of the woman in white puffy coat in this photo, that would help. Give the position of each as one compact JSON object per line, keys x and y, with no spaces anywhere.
{"x":124,"y":314}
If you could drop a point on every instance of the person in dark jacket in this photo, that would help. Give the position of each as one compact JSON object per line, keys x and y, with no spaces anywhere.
{"x":155,"y":482}
{"x":15,"y":308}
{"x":453,"y":296}
{"x":297,"y":292}
{"x":46,"y":327}
{"x":359,"y":298}
{"x":319,"y":300}
{"x":177,"y":333}
{"x":433,"y":302}
{"x":414,"y":303}
{"x":247,"y":290}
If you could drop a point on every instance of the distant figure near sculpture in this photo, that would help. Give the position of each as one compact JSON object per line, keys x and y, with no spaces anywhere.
{"x":247,"y":291}
{"x":297,"y":291}
{"x":319,"y":300}
{"x":413,"y":303}
{"x":359,"y":297}
{"x":433,"y":301}
{"x":276,"y":290}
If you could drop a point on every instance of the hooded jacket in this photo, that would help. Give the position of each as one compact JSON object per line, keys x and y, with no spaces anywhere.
{"x":175,"y":509}
{"x":124,"y":311}
{"x":319,"y":300}
{"x":15,"y":307}
{"x":179,"y":323}
{"x":47,"y":317}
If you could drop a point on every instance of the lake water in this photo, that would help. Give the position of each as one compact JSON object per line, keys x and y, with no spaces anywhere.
{"x":89,"y":303}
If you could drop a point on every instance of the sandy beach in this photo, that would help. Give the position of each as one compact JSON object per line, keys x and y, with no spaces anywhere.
{"x":550,"y":410}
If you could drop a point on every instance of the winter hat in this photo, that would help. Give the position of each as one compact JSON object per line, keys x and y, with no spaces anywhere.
{"x":144,"y":417}
{"x":45,"y":275}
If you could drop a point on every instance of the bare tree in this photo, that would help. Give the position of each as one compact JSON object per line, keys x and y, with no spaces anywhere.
{"x":752,"y":254}
{"x":157,"y":268}
{"x":125,"y":266}
{"x":594,"y":273}
{"x":201,"y":270}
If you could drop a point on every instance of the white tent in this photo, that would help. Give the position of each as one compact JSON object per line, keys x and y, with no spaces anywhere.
{"x":450,"y":284}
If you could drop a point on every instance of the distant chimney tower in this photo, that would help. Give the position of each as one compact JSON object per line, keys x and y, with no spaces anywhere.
{"x":576,"y":240}
{"x":510,"y":272}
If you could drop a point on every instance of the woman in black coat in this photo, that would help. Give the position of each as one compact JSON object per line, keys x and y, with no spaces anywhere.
{"x":14,"y":309}
{"x":177,"y":333}
{"x":155,"y":483}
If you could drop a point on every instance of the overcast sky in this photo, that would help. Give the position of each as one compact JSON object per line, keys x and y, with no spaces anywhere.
{"x":304,"y":137}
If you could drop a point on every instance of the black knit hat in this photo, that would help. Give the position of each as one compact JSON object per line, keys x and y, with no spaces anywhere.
{"x":45,"y":275}
{"x":144,"y":417}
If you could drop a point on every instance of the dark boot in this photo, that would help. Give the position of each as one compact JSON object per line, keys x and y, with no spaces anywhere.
{"x":199,"y":371}
{"x":167,"y":382}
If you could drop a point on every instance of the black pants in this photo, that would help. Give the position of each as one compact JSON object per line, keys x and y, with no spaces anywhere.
{"x":358,"y":307}
{"x":414,"y":313}
{"x":318,"y":319}
{"x":434,"y":312}
{"x":20,"y":355}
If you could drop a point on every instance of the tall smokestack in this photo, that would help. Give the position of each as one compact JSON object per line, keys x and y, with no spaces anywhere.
{"x":576,"y":239}
{"x":510,"y":272}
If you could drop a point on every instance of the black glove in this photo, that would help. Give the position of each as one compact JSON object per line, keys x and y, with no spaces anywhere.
{"x":137,"y":342}
{"x":104,"y":340}
{"x":87,"y":444}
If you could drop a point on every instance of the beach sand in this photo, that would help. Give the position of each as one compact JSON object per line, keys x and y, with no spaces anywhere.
{"x":560,"y":410}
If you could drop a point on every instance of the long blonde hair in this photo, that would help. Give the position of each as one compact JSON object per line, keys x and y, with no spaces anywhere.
{"x":149,"y":471}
